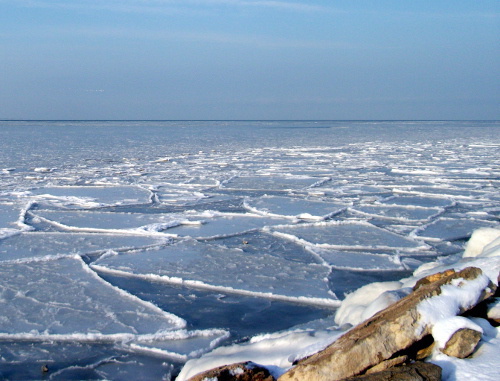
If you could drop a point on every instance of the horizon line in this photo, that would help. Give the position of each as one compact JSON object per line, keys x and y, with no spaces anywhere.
{"x":249,"y":120}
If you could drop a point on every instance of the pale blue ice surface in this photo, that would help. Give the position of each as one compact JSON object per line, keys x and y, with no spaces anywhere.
{"x":127,"y":248}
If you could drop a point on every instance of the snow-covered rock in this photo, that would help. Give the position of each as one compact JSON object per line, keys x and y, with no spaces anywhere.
{"x":456,"y":336}
{"x":396,"y":328}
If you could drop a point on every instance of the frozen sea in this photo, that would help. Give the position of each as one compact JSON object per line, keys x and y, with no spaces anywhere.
{"x":130,"y":247}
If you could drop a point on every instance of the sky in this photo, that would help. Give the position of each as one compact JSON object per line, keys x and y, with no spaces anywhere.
{"x":249,"y":59}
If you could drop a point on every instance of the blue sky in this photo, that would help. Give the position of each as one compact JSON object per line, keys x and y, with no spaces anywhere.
{"x":245,"y":59}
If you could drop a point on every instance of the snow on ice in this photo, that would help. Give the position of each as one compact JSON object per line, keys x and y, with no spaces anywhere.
{"x":228,"y":221}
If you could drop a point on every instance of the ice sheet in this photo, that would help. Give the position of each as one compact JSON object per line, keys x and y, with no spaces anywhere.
{"x":82,"y":360}
{"x":447,"y":229}
{"x":63,"y":300}
{"x":220,"y":225}
{"x":422,"y":201}
{"x":258,"y":242}
{"x":186,"y":195}
{"x":354,"y":260}
{"x":9,"y":215}
{"x":406,"y":185}
{"x":12,"y":219}
{"x":353,"y":235}
{"x":209,"y":266}
{"x":62,"y":297}
{"x":92,"y":196}
{"x":23,"y":360}
{"x":244,"y":316}
{"x":344,"y":281}
{"x":399,"y":213}
{"x":36,"y":245}
{"x":275,"y":183}
{"x":101,"y":221}
{"x":294,"y":207}
{"x":454,"y":191}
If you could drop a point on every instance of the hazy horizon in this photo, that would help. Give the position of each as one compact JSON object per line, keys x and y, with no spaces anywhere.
{"x":249,"y":120}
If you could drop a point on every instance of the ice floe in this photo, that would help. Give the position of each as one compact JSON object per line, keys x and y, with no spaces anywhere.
{"x":350,"y":235}
{"x":224,"y":224}
{"x":294,"y":207}
{"x":33,"y":245}
{"x":214,"y":267}
{"x":91,"y":196}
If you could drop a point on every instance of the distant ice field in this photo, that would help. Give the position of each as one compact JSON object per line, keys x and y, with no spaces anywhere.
{"x":132,"y":246}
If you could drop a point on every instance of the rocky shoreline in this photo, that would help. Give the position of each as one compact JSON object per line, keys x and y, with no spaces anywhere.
{"x":444,"y":312}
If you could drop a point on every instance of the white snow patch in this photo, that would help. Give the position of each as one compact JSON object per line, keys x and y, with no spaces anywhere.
{"x":383,"y":301}
{"x":482,"y":240}
{"x":482,"y":365}
{"x":353,"y":307}
{"x":455,"y":297}
{"x":277,"y":351}
{"x":444,"y":329}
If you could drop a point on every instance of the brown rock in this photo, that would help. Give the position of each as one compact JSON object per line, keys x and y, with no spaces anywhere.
{"x":433,"y":278}
{"x":462,"y":343}
{"x":419,"y":350}
{"x":424,"y":352}
{"x":245,"y":371}
{"x":391,"y":363}
{"x":378,"y":338}
{"x":419,"y":371}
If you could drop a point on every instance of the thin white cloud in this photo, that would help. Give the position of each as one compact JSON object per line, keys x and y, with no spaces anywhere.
{"x":219,"y":38}
{"x":285,"y":5}
{"x":202,"y":6}
{"x":169,"y":6}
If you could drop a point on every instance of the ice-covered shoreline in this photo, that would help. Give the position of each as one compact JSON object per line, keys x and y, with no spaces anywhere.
{"x":278,"y":352}
{"x":180,"y":237}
